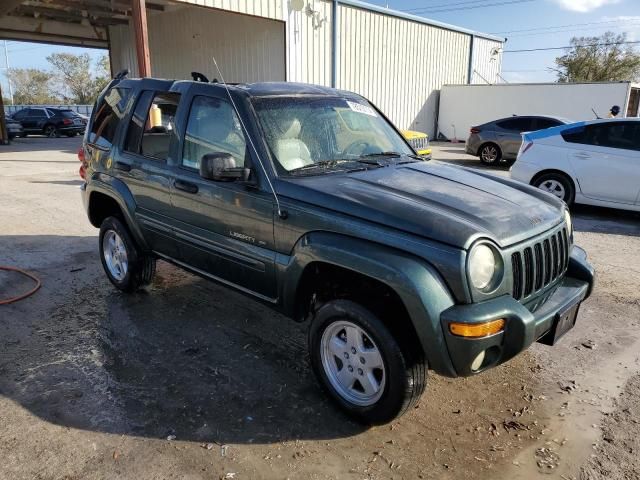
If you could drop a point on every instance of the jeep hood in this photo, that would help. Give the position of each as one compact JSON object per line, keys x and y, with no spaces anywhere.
{"x":438,"y":201}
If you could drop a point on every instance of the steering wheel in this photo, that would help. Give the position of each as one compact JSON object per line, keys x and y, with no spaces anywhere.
{"x":357,"y":148}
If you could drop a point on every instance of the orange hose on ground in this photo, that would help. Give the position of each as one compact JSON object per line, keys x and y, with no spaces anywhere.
{"x":24,"y":295}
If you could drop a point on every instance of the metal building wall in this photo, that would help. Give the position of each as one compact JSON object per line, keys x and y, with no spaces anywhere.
{"x":309,"y":43}
{"x":398,"y":64}
{"x":261,"y":8}
{"x":487,"y":61}
{"x":247,"y":49}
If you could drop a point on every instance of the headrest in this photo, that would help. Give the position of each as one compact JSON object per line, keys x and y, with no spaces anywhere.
{"x":291,"y":129}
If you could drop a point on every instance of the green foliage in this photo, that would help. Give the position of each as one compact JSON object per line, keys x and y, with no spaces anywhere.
{"x":31,"y":86}
{"x":599,"y":59}
{"x":76,"y":81}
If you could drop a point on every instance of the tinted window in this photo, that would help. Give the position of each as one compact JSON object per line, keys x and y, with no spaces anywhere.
{"x":20,"y":114}
{"x":543,"y":123}
{"x":213,"y":126}
{"x":107,"y":116}
{"x":516,"y":124}
{"x":152,"y":124}
{"x":37,"y":113}
{"x":623,"y":135}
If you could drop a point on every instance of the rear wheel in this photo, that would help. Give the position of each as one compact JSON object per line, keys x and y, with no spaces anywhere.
{"x":365,"y":370}
{"x":557,"y":184}
{"x":126,"y":266}
{"x":490,"y":154}
{"x":51,"y":131}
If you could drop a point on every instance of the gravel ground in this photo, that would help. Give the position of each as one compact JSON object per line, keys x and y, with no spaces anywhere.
{"x":191,"y":380}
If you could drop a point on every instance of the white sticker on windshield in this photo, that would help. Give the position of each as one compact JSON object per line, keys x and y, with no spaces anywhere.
{"x":358,"y":107}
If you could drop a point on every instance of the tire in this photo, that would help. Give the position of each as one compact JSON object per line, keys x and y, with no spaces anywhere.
{"x":557,"y":184}
{"x":51,"y":131}
{"x":490,"y":154}
{"x":400,"y":380}
{"x":128,"y":268}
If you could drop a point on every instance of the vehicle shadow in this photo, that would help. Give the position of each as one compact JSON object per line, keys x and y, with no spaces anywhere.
{"x":186,"y":357}
{"x":610,"y":221}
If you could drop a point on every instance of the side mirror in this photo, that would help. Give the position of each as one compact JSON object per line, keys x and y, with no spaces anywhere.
{"x":221,"y":167}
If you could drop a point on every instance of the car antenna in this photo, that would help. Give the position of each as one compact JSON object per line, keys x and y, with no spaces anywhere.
{"x":597,"y":116}
{"x":281,"y":213}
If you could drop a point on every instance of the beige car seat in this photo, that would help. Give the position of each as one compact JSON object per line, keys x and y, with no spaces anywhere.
{"x":290,"y":150}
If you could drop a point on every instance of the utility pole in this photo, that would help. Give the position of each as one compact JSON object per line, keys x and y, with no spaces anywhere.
{"x":6,"y":62}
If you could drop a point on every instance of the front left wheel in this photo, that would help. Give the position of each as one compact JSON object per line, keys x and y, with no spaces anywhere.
{"x":369,"y":373}
{"x":127,"y":267}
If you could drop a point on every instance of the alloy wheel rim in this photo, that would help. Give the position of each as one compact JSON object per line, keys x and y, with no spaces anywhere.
{"x":115,"y":255}
{"x":51,"y":131}
{"x":554,"y":187}
{"x":353,"y":363}
{"x":489,"y":154}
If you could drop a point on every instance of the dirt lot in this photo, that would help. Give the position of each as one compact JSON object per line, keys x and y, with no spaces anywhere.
{"x":94,"y":383}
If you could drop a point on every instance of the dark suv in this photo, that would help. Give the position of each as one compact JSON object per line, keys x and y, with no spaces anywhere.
{"x":50,"y":121}
{"x":309,"y":200}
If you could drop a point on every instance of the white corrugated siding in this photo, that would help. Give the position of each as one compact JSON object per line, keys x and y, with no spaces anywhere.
{"x":487,"y":61}
{"x":260,"y":8}
{"x":248,"y":49}
{"x":122,"y":50}
{"x":398,"y":64}
{"x":309,"y":43}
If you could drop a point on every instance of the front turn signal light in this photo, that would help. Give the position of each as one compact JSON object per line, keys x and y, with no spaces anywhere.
{"x":477,"y":330}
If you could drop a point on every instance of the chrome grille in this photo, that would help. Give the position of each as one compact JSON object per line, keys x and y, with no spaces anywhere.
{"x":537,"y":265}
{"x":419,"y":143}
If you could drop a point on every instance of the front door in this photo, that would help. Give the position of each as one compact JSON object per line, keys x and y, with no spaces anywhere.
{"x":225,"y":228}
{"x":510,"y":134}
{"x":607,"y":161}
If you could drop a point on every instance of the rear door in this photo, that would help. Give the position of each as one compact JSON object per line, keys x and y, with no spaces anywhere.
{"x":142,"y":162}
{"x":606,"y":159}
{"x":509,"y":136}
{"x":225,"y":228}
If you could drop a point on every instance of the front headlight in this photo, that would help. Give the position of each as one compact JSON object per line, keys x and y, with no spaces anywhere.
{"x":567,"y":220}
{"x":484,"y":266}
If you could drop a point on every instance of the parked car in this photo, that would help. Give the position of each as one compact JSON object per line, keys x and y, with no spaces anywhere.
{"x":501,"y":139}
{"x":14,"y":129}
{"x":49,"y":121}
{"x":309,"y":200}
{"x":419,"y":141}
{"x":595,"y":162}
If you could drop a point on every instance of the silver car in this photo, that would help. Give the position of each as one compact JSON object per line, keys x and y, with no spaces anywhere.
{"x":501,"y":139}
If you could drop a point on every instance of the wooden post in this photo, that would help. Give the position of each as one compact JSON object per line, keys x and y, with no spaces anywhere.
{"x":4,"y":133}
{"x":142,"y":38}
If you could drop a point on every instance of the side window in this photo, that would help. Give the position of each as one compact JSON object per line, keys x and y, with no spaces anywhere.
{"x":20,"y":114}
{"x":107,"y":117}
{"x":542,"y":123}
{"x":213,"y":126}
{"x":623,"y":135}
{"x":575,"y":135}
{"x":516,"y":124}
{"x":37,"y":113}
{"x":152,"y":124}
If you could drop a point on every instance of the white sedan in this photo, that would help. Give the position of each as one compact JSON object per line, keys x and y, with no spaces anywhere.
{"x":595,"y":162}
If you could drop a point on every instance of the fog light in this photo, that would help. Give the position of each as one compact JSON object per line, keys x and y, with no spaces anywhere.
{"x":477,"y":330}
{"x":477,"y":362}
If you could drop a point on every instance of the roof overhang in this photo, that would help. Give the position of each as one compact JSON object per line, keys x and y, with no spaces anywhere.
{"x":68,"y":22}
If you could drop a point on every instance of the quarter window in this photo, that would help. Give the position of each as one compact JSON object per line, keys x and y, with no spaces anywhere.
{"x":152,"y":124}
{"x":108,"y":115}
{"x":213,"y":126}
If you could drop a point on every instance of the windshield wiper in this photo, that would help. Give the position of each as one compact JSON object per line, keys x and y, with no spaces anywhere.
{"x":381,"y":154}
{"x":322,"y":164}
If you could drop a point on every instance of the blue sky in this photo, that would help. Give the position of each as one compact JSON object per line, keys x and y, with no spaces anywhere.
{"x":600,"y":15}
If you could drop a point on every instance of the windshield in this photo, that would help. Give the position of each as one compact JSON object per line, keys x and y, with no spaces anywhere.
{"x":320,"y":134}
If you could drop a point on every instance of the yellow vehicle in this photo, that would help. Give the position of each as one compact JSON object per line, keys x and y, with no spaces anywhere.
{"x":419,"y":141}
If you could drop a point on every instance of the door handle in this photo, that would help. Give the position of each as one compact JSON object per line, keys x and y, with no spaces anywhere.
{"x":186,"y":186}
{"x":125,"y":167}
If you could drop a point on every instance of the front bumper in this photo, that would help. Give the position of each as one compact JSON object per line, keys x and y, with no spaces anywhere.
{"x":525,"y":323}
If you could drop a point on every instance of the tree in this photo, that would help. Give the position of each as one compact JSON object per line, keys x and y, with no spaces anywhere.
{"x":599,"y":59}
{"x":31,"y":86}
{"x":75,"y":78}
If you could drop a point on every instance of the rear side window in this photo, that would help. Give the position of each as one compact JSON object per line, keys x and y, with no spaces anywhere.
{"x":37,"y":113}
{"x":543,"y":123}
{"x":107,"y":117}
{"x":152,"y":124}
{"x":516,"y":124}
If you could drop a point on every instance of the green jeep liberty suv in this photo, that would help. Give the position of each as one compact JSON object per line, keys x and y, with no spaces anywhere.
{"x":308,"y":199}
